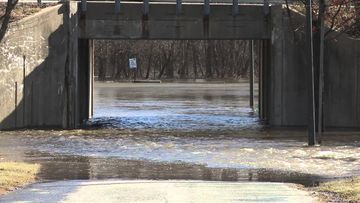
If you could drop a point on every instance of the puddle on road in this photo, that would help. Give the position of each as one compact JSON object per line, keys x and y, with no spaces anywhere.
{"x":71,"y":167}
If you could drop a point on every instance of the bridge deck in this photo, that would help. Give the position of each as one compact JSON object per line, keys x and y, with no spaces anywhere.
{"x":100,"y":21}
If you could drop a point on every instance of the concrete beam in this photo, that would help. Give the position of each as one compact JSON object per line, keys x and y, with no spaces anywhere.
{"x":101,"y":22}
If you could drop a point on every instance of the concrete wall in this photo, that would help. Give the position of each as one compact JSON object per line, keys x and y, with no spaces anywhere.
{"x":288,"y":78}
{"x":342,"y":82}
{"x":34,"y":69}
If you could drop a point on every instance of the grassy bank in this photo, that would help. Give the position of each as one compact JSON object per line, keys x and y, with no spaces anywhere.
{"x":345,"y":190}
{"x":14,"y":175}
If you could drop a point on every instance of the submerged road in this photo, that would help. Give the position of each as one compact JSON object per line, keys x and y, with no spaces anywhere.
{"x":202,"y":133}
{"x":159,"y":191}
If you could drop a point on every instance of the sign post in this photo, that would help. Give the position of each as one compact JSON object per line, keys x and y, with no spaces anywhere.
{"x":133,"y":66}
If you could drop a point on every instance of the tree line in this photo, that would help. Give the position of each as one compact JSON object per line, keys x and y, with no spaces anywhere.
{"x":173,"y":59}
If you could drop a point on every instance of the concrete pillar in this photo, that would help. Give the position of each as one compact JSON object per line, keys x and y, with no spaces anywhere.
{"x":146,"y":7}
{"x":265,"y":80}
{"x":72,"y":115}
{"x":117,"y":6}
{"x":206,"y":18}
{"x":83,"y":5}
{"x":83,"y":86}
{"x":91,"y":78}
{"x":178,"y":7}
{"x":235,"y":9}
{"x":206,"y":7}
{"x":266,"y":7}
{"x":251,"y":76}
{"x":145,"y":20}
{"x":260,"y":87}
{"x":275,"y":68}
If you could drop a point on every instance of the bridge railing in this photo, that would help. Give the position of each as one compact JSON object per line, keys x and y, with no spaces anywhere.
{"x":178,"y":4}
{"x":206,"y":5}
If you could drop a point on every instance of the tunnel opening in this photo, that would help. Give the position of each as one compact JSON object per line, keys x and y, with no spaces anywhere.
{"x":180,"y":85}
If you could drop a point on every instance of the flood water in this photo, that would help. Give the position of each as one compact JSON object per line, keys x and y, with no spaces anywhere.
{"x":174,"y":107}
{"x":192,"y":131}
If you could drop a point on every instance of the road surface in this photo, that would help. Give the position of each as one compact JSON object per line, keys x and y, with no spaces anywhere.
{"x":158,"y":191}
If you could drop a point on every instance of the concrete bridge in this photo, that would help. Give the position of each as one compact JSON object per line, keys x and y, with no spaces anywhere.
{"x":46,"y":60}
{"x":173,"y":21}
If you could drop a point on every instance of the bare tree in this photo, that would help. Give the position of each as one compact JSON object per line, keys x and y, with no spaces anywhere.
{"x":166,"y":59}
{"x":5,"y":18}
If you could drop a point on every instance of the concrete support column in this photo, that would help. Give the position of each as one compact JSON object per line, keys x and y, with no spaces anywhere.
{"x":266,"y":7}
{"x":275,"y":67}
{"x":145,"y":20}
{"x":261,"y":78}
{"x":265,"y":86}
{"x":117,"y":6}
{"x":71,"y":120}
{"x":235,"y":9}
{"x":206,"y":18}
{"x":91,"y":78}
{"x":146,"y":7}
{"x":251,"y":76}
{"x":83,"y":84}
{"x":206,"y":7}
{"x":178,"y":7}
{"x":83,"y":5}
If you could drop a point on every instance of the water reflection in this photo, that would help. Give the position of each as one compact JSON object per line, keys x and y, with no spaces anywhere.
{"x":78,"y":167}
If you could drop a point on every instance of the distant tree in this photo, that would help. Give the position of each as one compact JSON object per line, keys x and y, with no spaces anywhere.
{"x":342,"y":16}
{"x":172,"y":59}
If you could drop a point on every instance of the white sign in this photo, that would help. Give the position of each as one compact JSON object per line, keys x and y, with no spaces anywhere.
{"x":132,"y":63}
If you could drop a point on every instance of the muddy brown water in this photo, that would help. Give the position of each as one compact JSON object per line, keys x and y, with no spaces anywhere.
{"x":180,"y":131}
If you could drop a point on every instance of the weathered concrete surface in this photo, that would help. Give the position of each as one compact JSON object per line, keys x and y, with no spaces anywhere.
{"x":101,"y":22}
{"x":39,"y":71}
{"x":342,"y":82}
{"x":159,"y":191}
{"x":288,"y":79}
{"x":32,"y":68}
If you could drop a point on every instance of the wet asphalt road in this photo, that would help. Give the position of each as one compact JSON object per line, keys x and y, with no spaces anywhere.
{"x":159,"y":191}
